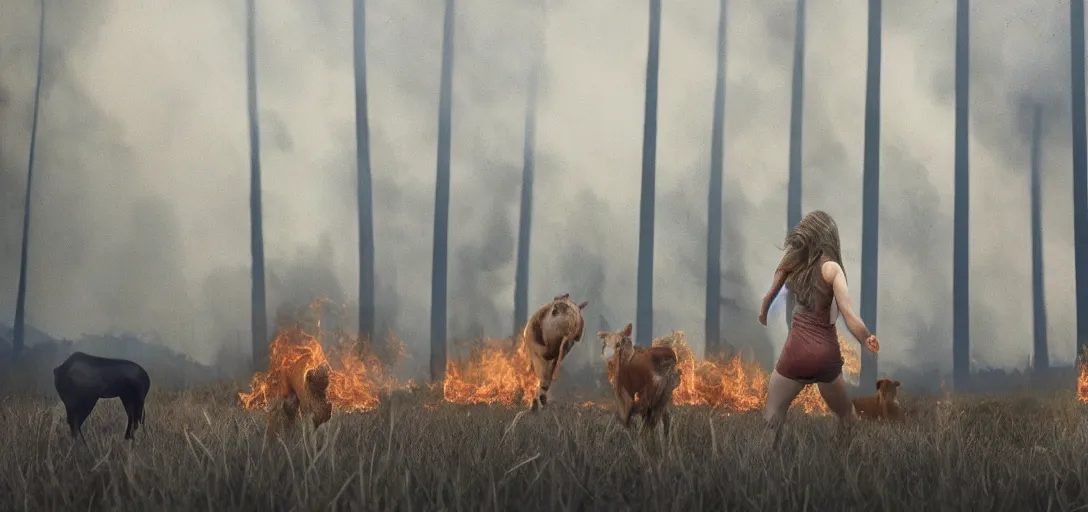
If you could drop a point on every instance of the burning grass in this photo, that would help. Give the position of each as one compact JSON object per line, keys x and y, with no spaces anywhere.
{"x":356,"y":374}
{"x":495,"y":372}
{"x":199,"y":450}
{"x":733,"y":384}
{"x":1082,"y":377}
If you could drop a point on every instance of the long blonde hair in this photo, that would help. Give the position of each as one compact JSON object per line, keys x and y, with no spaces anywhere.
{"x":814,"y":238}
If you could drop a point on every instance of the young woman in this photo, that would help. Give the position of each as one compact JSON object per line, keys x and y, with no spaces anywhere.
{"x":812,"y":268}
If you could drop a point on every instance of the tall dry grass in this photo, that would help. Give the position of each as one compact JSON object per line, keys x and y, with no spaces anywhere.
{"x":200,"y":451}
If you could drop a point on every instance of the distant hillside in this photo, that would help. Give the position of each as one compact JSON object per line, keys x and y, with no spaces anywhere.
{"x":34,"y":371}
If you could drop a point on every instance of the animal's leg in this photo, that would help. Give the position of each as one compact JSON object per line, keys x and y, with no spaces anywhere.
{"x":550,"y":373}
{"x":625,"y":404}
{"x":70,"y":416}
{"x":563,"y":349}
{"x":537,"y":368}
{"x":130,"y":413}
{"x":649,"y":417}
{"x":666,"y":420}
{"x":83,"y":410}
{"x":543,"y":396}
{"x":546,"y":382}
{"x":139,"y":412}
{"x":780,"y":394}
{"x":141,"y":400}
{"x":618,"y":396}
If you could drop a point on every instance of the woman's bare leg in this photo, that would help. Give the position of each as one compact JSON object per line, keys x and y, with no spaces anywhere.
{"x":780,"y":394}
{"x":837,"y":399}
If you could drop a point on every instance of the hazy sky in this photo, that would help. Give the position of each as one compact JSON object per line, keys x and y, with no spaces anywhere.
{"x":140,"y":207}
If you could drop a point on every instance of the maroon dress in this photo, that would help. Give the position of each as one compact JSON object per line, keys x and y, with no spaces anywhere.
{"x":811,"y":353}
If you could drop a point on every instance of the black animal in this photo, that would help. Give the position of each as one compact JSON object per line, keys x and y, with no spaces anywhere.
{"x":82,"y":379}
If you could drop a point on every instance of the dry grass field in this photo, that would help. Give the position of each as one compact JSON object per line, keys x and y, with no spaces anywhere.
{"x":200,"y":451}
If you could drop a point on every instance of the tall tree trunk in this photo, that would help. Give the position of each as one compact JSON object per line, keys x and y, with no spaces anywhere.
{"x":961,"y":298}
{"x":797,"y":108}
{"x":256,"y":223}
{"x":714,"y":202}
{"x":525,"y":220}
{"x":1080,"y":173}
{"x":19,"y":342}
{"x":1041,"y":353}
{"x":870,"y":209}
{"x":439,"y":262}
{"x":644,"y":315}
{"x":364,"y":194}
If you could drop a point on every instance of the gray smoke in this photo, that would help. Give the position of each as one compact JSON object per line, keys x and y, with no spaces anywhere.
{"x":140,"y":216}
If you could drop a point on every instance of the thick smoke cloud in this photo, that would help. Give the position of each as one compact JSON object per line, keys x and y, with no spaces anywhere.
{"x":140,"y":215}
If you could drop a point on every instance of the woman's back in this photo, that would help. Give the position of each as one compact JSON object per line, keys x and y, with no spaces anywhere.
{"x":821,"y":296}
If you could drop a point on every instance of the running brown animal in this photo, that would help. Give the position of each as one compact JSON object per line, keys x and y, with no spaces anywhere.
{"x":645,"y":379}
{"x":549,"y":335}
{"x":882,"y":406}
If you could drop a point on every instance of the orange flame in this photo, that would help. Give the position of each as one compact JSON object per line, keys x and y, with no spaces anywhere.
{"x":1082,"y":380}
{"x":355,"y":384}
{"x":737,"y":385}
{"x":946,"y":395}
{"x":494,"y":373}
{"x":498,"y":372}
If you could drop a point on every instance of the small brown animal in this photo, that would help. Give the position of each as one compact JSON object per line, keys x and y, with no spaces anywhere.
{"x":549,"y":336}
{"x":303,"y":392}
{"x":674,"y":340}
{"x":650,"y":374}
{"x":884,"y":405}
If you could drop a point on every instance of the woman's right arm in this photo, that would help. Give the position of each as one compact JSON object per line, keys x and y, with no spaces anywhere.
{"x":833,"y":274}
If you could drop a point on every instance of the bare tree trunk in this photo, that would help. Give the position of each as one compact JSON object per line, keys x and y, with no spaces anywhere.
{"x":644,"y":315}
{"x":442,"y":204}
{"x":797,"y":108}
{"x":1080,"y":172}
{"x":525,"y":220}
{"x":1041,"y":354}
{"x":364,"y":194}
{"x":256,"y":224}
{"x":961,"y":297}
{"x":714,"y":202}
{"x":870,"y":210}
{"x":19,"y":328}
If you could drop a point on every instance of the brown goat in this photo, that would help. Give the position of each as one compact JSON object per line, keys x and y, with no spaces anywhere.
{"x":650,"y":374}
{"x":549,"y":335}
{"x":883,"y":405}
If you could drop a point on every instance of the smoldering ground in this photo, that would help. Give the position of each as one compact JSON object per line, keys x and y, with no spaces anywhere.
{"x":140,"y":218}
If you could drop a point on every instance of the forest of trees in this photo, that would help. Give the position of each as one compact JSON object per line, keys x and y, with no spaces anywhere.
{"x":716,"y":181}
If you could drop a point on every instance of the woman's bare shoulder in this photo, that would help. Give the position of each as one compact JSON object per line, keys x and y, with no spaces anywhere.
{"x":829,"y":270}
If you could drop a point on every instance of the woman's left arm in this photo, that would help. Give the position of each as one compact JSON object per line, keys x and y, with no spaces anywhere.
{"x":777,"y":281}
